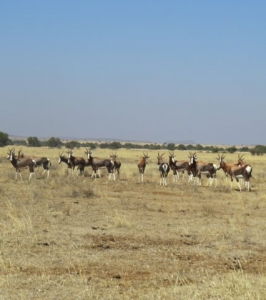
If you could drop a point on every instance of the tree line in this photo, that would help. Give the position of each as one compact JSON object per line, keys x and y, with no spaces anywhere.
{"x":54,"y":142}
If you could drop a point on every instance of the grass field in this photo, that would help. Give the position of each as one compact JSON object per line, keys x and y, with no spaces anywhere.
{"x":75,"y":237}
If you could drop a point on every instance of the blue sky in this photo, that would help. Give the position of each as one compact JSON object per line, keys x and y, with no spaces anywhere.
{"x":154,"y":71}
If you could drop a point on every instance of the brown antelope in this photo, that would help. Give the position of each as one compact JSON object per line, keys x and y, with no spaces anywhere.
{"x":142,"y":165}
{"x":240,"y":162}
{"x":78,"y":162}
{"x":177,"y":166}
{"x":117,"y":164}
{"x":64,"y":159}
{"x":40,"y":161}
{"x":197,"y":168}
{"x":21,"y":163}
{"x":97,"y":163}
{"x":163,"y":169}
{"x":237,"y":172}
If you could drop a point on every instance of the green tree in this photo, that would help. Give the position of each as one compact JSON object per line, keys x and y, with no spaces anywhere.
{"x":244,"y":149}
{"x":232,"y":149}
{"x":20,"y":142}
{"x":115,"y":145}
{"x":72,"y":144}
{"x":4,"y":139}
{"x":171,"y":146}
{"x":90,"y":145}
{"x":153,"y":147}
{"x":181,"y":147}
{"x":54,"y":142}
{"x":33,"y":141}
{"x":190,"y":147}
{"x":199,"y":147}
{"x":258,"y":150}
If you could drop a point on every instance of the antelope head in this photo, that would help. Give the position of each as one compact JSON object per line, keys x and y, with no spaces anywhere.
{"x":113,"y":156}
{"x":60,"y":154}
{"x":69,"y":153}
{"x":220,"y":158}
{"x":192,"y":157}
{"x":240,"y":159}
{"x":10,"y":153}
{"x":172,"y":156}
{"x":160,"y":158}
{"x":145,"y":157}
{"x":20,"y":154}
{"x":88,"y":152}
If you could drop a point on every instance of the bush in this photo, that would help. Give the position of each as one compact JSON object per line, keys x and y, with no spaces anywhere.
{"x":54,"y":142}
{"x":33,"y":141}
{"x":181,"y":147}
{"x":3,"y":139}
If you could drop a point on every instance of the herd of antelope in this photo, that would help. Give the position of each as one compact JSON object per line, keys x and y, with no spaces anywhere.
{"x":20,"y":161}
{"x":240,"y":171}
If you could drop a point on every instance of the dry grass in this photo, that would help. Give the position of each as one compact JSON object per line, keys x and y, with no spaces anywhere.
{"x":78,"y":238}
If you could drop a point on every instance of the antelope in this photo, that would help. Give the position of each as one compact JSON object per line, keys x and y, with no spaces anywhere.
{"x":163,"y":169}
{"x":40,"y":161}
{"x":117,"y":164}
{"x":73,"y":161}
{"x":97,"y":163}
{"x":21,"y":163}
{"x":64,"y":159}
{"x":198,"y":168}
{"x":142,"y":165}
{"x":177,"y":166}
{"x":237,"y":172}
{"x":89,"y":163}
{"x":240,"y":162}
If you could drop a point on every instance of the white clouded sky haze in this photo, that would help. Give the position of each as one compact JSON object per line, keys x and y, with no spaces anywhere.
{"x":134,"y":70}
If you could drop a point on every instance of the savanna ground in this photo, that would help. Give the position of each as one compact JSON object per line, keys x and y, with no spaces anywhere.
{"x":78,"y":238}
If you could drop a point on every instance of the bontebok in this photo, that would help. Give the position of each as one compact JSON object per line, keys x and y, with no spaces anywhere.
{"x":177,"y":166}
{"x":40,"y":161}
{"x":21,"y":163}
{"x":74,"y":161}
{"x":237,"y":172}
{"x":117,"y":164}
{"x":163,"y":169}
{"x":97,"y":163}
{"x":142,"y":165}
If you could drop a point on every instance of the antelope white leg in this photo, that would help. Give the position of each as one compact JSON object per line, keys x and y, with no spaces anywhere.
{"x":239,"y":185}
{"x":215,"y":181}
